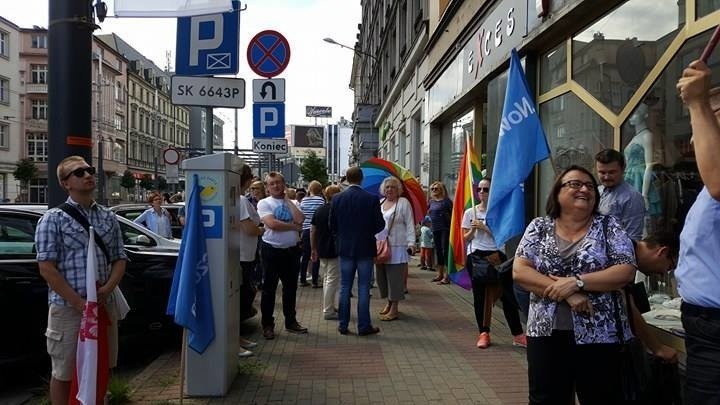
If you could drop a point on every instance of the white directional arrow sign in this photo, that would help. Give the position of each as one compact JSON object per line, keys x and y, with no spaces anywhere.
{"x":268,"y":90}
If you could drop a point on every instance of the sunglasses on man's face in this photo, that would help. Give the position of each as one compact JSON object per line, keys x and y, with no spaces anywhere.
{"x":80,"y":172}
{"x":483,"y":189}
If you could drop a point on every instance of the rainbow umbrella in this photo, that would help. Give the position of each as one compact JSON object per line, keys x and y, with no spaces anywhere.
{"x":375,"y":170}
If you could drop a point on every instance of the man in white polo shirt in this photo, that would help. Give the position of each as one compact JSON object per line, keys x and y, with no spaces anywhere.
{"x":280,"y":254}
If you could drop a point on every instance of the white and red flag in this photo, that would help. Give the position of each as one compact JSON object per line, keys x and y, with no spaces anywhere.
{"x":92,"y":371}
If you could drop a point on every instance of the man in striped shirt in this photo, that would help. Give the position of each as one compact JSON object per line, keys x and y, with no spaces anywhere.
{"x":308,"y":206}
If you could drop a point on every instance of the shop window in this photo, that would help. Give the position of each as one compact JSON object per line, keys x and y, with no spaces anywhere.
{"x":705,"y":7}
{"x":452,"y":146}
{"x":575,"y":134}
{"x":553,"y":68}
{"x":613,"y":56}
{"x":656,"y":143}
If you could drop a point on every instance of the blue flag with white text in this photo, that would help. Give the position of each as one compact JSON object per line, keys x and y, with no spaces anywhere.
{"x":521,"y":144}
{"x":190,"y":298}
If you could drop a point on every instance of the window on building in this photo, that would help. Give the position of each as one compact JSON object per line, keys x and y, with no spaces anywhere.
{"x":4,"y":135}
{"x":452,"y":146}
{"x":119,"y":151}
{"x":119,"y":122}
{"x":402,"y":28}
{"x":37,"y":146}
{"x":4,"y":90}
{"x":132,"y":153}
{"x":705,"y":7}
{"x":39,"y":41}
{"x":39,"y":109}
{"x":613,"y":56}
{"x":133,"y":118}
{"x":38,"y":74}
{"x":118,"y":91}
{"x":4,"y":43}
{"x":553,"y":68}
{"x":38,"y":190}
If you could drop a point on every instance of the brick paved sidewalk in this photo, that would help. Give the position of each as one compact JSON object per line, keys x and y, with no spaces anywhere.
{"x":426,"y":356}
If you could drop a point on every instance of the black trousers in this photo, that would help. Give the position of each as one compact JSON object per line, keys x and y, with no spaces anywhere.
{"x":557,"y":367}
{"x":702,"y":341}
{"x":279,"y":265}
{"x":306,"y":251}
{"x":247,"y":289}
{"x":510,"y":305}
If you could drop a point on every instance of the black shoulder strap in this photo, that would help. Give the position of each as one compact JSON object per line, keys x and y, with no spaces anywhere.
{"x":80,"y":218}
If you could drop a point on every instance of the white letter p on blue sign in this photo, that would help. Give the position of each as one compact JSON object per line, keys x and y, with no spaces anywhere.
{"x":197,"y":44}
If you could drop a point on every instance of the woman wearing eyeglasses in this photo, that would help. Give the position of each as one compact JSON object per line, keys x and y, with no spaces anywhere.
{"x":440,"y":213}
{"x":156,"y":218}
{"x":572,"y":261}
{"x":483,"y":256}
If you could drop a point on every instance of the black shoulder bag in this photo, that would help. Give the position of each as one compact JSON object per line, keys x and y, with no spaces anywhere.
{"x":632,"y":352}
{"x":80,"y":218}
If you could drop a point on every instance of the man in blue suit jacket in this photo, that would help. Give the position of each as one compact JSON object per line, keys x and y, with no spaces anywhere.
{"x":355,"y":219}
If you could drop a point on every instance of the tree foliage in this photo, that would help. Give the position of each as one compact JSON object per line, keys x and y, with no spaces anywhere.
{"x":314,"y":168}
{"x":25,"y":171}
{"x":147,"y":182}
{"x":162,"y":183}
{"x":128,"y":180}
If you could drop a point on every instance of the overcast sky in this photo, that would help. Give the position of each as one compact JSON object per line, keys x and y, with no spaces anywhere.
{"x":318,"y":73}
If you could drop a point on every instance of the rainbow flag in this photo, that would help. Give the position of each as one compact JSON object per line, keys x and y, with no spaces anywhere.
{"x":469,"y":174}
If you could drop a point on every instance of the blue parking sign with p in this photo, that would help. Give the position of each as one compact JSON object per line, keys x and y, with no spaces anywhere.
{"x":208,"y":44}
{"x":268,"y":120}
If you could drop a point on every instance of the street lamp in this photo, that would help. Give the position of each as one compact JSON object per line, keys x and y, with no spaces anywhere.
{"x":332,"y":41}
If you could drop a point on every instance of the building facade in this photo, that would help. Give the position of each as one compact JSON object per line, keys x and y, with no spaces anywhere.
{"x":154,"y":123}
{"x":33,"y":73}
{"x":603,"y":73}
{"x":387,"y":79}
{"x":338,"y":146}
{"x":10,"y":121}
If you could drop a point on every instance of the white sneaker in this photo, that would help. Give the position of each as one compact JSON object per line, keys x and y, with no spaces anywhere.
{"x":245,"y":353}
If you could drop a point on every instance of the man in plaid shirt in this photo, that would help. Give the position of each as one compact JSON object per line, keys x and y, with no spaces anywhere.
{"x":61,"y":244}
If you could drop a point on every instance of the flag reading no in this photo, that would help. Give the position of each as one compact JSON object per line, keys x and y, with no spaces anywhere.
{"x":521,"y":144}
{"x":190,"y":297}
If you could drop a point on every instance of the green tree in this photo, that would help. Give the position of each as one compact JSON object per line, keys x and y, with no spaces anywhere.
{"x":162,"y":183}
{"x":147,"y":182}
{"x":25,"y":171}
{"x":314,"y":168}
{"x":128,"y":180}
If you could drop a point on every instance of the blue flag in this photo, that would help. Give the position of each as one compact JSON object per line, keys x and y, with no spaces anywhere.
{"x":521,"y":144}
{"x":190,"y":299}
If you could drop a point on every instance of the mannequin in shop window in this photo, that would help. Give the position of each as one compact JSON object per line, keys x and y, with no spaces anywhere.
{"x":640,"y":158}
{"x":648,"y":160}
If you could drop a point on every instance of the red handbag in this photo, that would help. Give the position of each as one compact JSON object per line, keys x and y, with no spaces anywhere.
{"x":384,"y":253}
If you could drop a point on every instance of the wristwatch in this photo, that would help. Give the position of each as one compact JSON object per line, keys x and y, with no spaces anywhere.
{"x":579,"y":283}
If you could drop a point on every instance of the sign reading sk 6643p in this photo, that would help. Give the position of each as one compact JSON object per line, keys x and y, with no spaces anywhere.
{"x":208,"y":91}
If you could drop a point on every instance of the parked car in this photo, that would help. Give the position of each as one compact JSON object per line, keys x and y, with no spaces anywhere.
{"x":132,"y":211}
{"x":23,"y":292}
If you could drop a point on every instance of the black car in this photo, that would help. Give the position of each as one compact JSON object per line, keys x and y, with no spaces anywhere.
{"x":23,"y":292}
{"x":132,"y":211}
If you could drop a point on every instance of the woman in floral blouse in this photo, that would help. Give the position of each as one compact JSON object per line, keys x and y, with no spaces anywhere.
{"x":572,"y":261}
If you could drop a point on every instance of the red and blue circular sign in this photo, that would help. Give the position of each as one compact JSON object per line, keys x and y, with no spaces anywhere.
{"x":268,"y":53}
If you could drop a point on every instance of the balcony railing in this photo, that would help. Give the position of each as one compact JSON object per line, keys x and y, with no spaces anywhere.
{"x":37,"y":88}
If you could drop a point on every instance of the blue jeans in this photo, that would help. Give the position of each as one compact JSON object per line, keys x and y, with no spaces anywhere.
{"x":364,"y":267}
